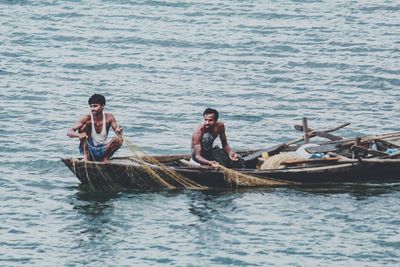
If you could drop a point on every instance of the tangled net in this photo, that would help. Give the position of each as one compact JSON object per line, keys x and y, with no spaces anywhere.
{"x":151,"y":164}
{"x":237,"y":179}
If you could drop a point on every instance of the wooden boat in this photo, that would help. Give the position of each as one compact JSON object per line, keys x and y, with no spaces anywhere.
{"x":128,"y":173}
{"x":361,"y":159}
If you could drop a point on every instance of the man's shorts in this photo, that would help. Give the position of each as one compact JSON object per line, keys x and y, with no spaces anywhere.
{"x":97,"y":152}
{"x":219,"y":155}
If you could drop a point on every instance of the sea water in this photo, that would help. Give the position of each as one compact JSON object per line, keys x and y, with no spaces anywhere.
{"x":263,"y":64}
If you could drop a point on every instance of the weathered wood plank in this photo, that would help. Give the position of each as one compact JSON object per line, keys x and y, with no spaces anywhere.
{"x":305,"y":131}
{"x":187,"y":163}
{"x":269,"y":150}
{"x":324,"y":161}
{"x":300,"y":128}
{"x":323,"y":134}
{"x":363,"y":150}
{"x":328,"y":136}
{"x":322,"y":148}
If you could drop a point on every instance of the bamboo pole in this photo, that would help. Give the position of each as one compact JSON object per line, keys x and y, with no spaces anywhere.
{"x":305,"y":131}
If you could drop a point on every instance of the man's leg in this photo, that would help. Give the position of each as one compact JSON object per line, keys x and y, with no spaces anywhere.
{"x":222,"y":158}
{"x":113,"y":145}
{"x":85,"y":150}
{"x":84,"y":144}
{"x":219,"y":155}
{"x":239,"y":163}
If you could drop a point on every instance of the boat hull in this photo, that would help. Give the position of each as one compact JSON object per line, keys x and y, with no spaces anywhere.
{"x":127,"y":173}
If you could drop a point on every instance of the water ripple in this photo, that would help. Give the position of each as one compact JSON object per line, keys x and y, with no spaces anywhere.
{"x":263,"y":64}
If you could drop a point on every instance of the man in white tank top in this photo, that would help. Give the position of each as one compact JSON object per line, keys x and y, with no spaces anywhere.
{"x":92,"y":130}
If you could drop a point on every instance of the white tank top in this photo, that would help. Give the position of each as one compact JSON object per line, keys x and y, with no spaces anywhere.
{"x":100,"y":138}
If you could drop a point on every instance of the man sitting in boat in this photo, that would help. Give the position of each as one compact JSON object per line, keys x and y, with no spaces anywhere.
{"x":92,"y":130}
{"x":203,"y":152}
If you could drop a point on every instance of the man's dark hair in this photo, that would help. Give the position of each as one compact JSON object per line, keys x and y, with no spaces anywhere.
{"x":97,"y":99}
{"x":211,"y":111}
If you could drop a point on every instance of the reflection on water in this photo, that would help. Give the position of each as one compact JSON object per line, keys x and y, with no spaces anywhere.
{"x":95,"y":209}
{"x":94,"y":204}
{"x":248,"y":224}
{"x":207,"y":205}
{"x":354,"y":189}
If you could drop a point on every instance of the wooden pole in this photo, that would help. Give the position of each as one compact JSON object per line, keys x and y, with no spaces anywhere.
{"x":357,"y":142}
{"x":305,"y":131}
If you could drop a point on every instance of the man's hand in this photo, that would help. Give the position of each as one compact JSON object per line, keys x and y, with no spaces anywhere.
{"x":214,"y":164}
{"x":233,"y":156}
{"x":119,"y":129}
{"x":82,"y":135}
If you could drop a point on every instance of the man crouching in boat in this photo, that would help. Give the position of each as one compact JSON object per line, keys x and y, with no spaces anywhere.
{"x":92,"y":130}
{"x":203,"y":152}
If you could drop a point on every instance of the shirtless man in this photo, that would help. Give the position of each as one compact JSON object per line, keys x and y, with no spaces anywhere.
{"x":92,"y":130}
{"x":204,"y":153}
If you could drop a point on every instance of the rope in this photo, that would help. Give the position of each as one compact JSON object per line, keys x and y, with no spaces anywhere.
{"x":240,"y":179}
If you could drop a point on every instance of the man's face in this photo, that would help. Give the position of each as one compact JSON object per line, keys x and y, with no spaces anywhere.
{"x":209,"y":120}
{"x":96,"y":109}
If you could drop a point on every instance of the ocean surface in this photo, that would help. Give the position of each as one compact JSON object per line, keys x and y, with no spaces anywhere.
{"x":263,"y":64}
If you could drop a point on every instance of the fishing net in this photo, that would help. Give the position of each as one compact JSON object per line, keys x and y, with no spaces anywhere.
{"x":238,"y":179}
{"x":275,"y":162}
{"x":148,"y":172}
{"x":165,"y":176}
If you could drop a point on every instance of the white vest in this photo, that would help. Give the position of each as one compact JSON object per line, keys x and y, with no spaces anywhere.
{"x":100,"y":138}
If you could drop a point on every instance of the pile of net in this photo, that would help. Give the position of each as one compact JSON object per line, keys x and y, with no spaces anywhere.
{"x":275,"y":162}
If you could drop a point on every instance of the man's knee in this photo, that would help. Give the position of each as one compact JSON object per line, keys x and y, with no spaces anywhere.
{"x":118,"y":141}
{"x":239,"y":163}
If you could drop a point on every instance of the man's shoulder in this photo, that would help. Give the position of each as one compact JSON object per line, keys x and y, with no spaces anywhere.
{"x":109,"y":115}
{"x":199,"y":128}
{"x":220,"y":125}
{"x":198,"y":131}
{"x":85,"y":118}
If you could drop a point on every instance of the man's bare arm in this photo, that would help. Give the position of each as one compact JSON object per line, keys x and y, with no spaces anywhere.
{"x":224,"y":141}
{"x":117,"y":128}
{"x":197,"y":150}
{"x":74,"y":133}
